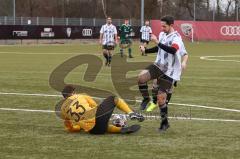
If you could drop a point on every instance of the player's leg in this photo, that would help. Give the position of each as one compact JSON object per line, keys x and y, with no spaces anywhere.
{"x":105,"y":54}
{"x":121,"y":52}
{"x":144,"y":47}
{"x":121,"y":49}
{"x":109,"y":57}
{"x":162,"y":98}
{"x":104,"y":113}
{"x":143,"y":78}
{"x":123,"y":106}
{"x":169,"y":94}
{"x":130,"y":52}
{"x":155,"y":88}
{"x":113,"y":129}
{"x":151,"y":72}
{"x":165,"y":87}
{"x":144,"y":44}
{"x":153,"y":104}
{"x":130,"y":49}
{"x":124,"y":130}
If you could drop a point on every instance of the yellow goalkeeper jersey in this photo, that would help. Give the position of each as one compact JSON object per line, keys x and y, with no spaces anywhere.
{"x":79,"y":112}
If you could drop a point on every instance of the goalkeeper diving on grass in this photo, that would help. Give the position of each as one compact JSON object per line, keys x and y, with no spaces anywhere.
{"x":81,"y":112}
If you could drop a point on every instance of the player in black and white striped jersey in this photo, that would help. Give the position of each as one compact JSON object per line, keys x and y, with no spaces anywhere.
{"x":167,"y":67}
{"x":108,"y":40}
{"x":146,"y":32}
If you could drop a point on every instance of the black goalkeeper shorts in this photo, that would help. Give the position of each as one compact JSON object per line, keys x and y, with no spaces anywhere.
{"x":103,"y":115}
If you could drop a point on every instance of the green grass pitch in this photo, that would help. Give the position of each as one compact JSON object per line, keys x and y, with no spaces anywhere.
{"x":213,"y":83}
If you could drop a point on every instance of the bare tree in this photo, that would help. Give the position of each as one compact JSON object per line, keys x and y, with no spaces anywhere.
{"x":218,"y":8}
{"x":126,"y":5}
{"x":208,"y":4}
{"x":154,"y":9}
{"x":104,"y":8}
{"x":236,"y":9}
{"x":228,"y":7}
{"x":6,"y":8}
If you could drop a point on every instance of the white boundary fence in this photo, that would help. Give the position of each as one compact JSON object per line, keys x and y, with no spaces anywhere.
{"x":5,"y":20}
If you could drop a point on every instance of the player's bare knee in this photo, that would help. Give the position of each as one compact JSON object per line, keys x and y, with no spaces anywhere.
{"x":155,"y":89}
{"x":142,"y":77}
{"x":161,"y":99}
{"x":155,"y":85}
{"x":105,"y":52}
{"x":140,"y":80}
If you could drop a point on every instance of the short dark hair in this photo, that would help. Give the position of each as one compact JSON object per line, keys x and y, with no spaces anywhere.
{"x":168,"y":19}
{"x":67,"y":91}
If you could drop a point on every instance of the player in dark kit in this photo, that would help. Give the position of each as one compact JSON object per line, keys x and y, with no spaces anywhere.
{"x":125,"y":38}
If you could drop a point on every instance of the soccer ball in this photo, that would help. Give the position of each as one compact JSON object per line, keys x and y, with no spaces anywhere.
{"x":119,"y":120}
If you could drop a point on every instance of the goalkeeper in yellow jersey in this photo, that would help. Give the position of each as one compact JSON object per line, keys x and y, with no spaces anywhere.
{"x":81,"y":112}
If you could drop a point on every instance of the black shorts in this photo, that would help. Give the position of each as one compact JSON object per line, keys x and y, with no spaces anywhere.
{"x":164,"y":82}
{"x":144,"y":41}
{"x":108,"y":47}
{"x":125,"y":41}
{"x":103,"y":115}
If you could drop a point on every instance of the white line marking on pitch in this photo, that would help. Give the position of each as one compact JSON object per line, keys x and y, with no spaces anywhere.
{"x":146,"y":116}
{"x":28,"y":110}
{"x":178,"y":104}
{"x":46,"y":53}
{"x":212,"y":58}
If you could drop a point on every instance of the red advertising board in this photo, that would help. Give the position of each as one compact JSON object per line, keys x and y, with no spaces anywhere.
{"x":203,"y":30}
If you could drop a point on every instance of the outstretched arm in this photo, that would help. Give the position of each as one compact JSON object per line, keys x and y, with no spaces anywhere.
{"x":169,"y":49}
{"x":184,"y":61}
{"x":69,"y":126}
{"x":90,"y":101}
{"x":100,"y":38}
{"x":150,"y":50}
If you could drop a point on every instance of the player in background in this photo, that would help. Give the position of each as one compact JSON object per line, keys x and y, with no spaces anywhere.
{"x":81,"y":112}
{"x":125,"y":37}
{"x":108,"y":40}
{"x":167,"y":67}
{"x":146,"y":32}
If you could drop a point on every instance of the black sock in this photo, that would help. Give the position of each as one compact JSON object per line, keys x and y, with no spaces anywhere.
{"x":164,"y":113}
{"x":121,"y":51}
{"x":154,"y":95}
{"x":109,"y":59}
{"x":106,"y":57}
{"x":129,"y":52}
{"x":143,"y":88}
{"x":169,"y":95}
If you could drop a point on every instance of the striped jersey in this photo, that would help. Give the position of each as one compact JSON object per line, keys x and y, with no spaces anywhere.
{"x":146,"y":33}
{"x":170,"y":64}
{"x":108,"y":32}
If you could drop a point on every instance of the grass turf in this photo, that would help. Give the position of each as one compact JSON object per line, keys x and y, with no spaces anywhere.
{"x":26,"y":69}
